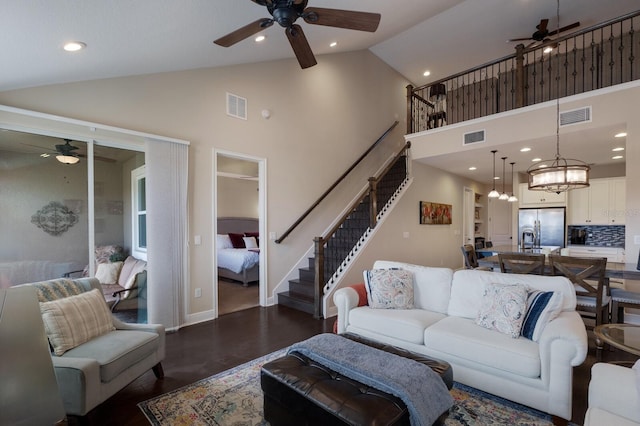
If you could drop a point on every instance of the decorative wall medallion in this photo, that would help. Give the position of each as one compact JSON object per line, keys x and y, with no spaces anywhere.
{"x":54,"y":218}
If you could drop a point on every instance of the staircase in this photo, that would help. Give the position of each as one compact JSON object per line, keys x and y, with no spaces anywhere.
{"x":341,"y":245}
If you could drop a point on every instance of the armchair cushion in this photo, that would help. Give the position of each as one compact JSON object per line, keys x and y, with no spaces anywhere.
{"x":107,"y":273}
{"x":74,"y":320}
{"x":130,"y":268}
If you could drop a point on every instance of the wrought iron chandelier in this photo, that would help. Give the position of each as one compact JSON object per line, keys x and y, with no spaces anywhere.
{"x":559,"y":174}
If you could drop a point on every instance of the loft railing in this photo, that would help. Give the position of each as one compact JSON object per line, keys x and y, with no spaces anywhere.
{"x":600,"y":56}
{"x":335,"y":184}
{"x":332,"y":249}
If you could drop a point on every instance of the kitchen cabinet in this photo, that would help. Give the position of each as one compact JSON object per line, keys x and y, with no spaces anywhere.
{"x":613,"y":254}
{"x":602,"y":203}
{"x":541,"y":198}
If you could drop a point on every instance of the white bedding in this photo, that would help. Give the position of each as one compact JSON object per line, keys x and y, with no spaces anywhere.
{"x":237,"y":259}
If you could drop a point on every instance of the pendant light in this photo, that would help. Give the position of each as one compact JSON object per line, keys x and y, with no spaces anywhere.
{"x":513,"y":198}
{"x":504,"y":196}
{"x":559,"y":174}
{"x":494,"y":193}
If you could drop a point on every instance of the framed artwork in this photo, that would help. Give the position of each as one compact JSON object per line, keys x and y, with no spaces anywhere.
{"x":435,"y":213}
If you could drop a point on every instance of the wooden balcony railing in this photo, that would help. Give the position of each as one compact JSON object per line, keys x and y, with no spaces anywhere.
{"x":600,"y":56}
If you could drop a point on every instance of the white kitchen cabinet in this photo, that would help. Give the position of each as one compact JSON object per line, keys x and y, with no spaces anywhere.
{"x":613,"y":254}
{"x":602,"y":203}
{"x":541,"y":198}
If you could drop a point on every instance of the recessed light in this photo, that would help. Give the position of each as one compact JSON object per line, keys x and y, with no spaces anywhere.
{"x":525,"y":149}
{"x":426,"y":73}
{"x":74,"y":46}
{"x":473,"y":168}
{"x":621,"y":135}
{"x":535,"y":160}
{"x":260,"y":38}
{"x":618,"y":149}
{"x":333,"y":44}
{"x":496,"y":178}
{"x":617,"y":157}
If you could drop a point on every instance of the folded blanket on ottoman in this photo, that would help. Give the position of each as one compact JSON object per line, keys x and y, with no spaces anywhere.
{"x":419,"y":387}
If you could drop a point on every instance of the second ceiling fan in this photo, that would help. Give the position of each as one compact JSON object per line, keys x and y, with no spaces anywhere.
{"x":542,"y":33}
{"x":286,"y":12}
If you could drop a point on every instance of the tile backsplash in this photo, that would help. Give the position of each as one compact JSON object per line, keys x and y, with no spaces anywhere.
{"x":601,"y":235}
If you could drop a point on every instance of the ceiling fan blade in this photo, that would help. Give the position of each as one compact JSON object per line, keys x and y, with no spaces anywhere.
{"x":567,"y":28}
{"x":300,"y":46}
{"x":244,"y":32}
{"x":349,"y":19}
{"x":542,"y":26}
{"x":519,"y":39}
{"x":97,"y":158}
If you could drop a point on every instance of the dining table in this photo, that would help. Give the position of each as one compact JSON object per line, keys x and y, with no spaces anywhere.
{"x":628,"y":271}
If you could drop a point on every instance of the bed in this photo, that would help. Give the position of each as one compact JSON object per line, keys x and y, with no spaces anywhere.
{"x":238,"y":264}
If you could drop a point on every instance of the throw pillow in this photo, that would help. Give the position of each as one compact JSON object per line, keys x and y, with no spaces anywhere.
{"x":74,"y":320}
{"x":250,"y":242}
{"x":542,"y":307}
{"x":389,"y":288}
{"x":502,"y":308}
{"x":107,"y":273}
{"x":223,"y":241}
{"x":237,"y":240}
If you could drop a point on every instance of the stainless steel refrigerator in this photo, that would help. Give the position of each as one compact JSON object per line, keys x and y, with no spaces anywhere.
{"x":541,"y":227}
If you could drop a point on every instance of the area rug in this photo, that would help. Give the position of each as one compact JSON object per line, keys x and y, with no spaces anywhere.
{"x":234,"y":398}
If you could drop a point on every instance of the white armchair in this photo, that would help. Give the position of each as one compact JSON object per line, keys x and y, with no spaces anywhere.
{"x":614,"y":398}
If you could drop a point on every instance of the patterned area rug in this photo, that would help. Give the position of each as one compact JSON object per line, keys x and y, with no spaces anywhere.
{"x":234,"y":398}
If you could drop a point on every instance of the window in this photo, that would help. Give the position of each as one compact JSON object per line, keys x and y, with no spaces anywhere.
{"x":139,"y":213}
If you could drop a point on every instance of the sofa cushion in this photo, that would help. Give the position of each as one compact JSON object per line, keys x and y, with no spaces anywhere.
{"x":74,"y":320}
{"x":468,"y":286}
{"x":107,"y":273}
{"x":463,"y":339}
{"x":403,"y":324}
{"x":116,"y":351}
{"x":431,"y":286}
{"x":389,"y":288}
{"x":503,"y":308}
{"x":542,"y":307}
{"x":130,"y":268}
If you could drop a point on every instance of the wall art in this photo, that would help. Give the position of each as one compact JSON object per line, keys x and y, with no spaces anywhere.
{"x":54,"y":218}
{"x":435,"y":213}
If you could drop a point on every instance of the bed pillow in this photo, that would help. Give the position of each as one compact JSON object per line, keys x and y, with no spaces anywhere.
{"x":542,"y":307}
{"x":74,"y":320}
{"x":389,"y":288}
{"x":256,"y":235}
{"x":108,"y":273}
{"x":223,"y":241}
{"x":237,"y":240}
{"x":250,"y":242}
{"x":503,"y":308}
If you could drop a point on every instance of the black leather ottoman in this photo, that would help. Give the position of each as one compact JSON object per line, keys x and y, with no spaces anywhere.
{"x":299,"y":391}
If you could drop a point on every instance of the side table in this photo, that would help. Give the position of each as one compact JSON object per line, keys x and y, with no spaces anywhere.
{"x":625,"y":337}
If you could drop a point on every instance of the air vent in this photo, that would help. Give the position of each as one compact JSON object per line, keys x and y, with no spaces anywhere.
{"x":575,"y":116}
{"x":473,"y":137}
{"x":236,"y":106}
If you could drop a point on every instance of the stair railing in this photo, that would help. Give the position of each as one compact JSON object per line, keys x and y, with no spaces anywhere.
{"x":377,"y":194}
{"x":335,"y":184}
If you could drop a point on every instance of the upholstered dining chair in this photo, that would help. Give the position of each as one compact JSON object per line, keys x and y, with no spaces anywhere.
{"x":522,"y":263}
{"x":471,"y":258}
{"x":592,"y":286}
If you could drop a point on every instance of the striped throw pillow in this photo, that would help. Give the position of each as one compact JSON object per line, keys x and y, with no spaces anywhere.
{"x":74,"y":320}
{"x":542,"y":307}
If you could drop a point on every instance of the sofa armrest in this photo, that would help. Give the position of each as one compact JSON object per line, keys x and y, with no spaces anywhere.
{"x":154,"y":328}
{"x":613,"y":388}
{"x":569,"y":328}
{"x":77,"y":378}
{"x":345,"y":300}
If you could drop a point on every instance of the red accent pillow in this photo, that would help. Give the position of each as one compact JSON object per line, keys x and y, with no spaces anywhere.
{"x":362,"y":300}
{"x":236,"y":240}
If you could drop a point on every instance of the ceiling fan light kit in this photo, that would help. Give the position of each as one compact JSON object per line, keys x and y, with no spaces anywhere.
{"x":67,"y":159}
{"x":558,"y":174}
{"x":286,"y":12}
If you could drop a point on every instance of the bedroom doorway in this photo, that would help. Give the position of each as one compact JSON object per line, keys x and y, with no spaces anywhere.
{"x":238,"y":221}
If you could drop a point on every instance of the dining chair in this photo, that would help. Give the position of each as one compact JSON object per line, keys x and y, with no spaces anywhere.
{"x":522,"y":263}
{"x":471,"y":258}
{"x":620,"y":299}
{"x":592,"y":286}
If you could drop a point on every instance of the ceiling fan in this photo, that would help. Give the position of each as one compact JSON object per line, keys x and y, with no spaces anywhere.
{"x":542,"y":33}
{"x":65,"y":153}
{"x":286,"y":12}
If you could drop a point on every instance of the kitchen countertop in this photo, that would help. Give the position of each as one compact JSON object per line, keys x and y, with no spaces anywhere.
{"x":518,"y":249}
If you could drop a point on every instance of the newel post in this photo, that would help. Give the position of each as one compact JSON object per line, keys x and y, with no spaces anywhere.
{"x":319,"y":277}
{"x":409,"y":109}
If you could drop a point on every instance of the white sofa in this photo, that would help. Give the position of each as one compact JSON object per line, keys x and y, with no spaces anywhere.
{"x":442,"y":325}
{"x":614,"y":397}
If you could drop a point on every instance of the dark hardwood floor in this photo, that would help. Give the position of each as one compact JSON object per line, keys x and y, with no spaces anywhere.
{"x":202,"y":350}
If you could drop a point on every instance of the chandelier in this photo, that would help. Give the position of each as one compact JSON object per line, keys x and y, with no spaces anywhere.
{"x":559,"y":174}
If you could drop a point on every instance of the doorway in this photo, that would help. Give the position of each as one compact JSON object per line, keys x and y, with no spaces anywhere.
{"x":239,"y":219}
